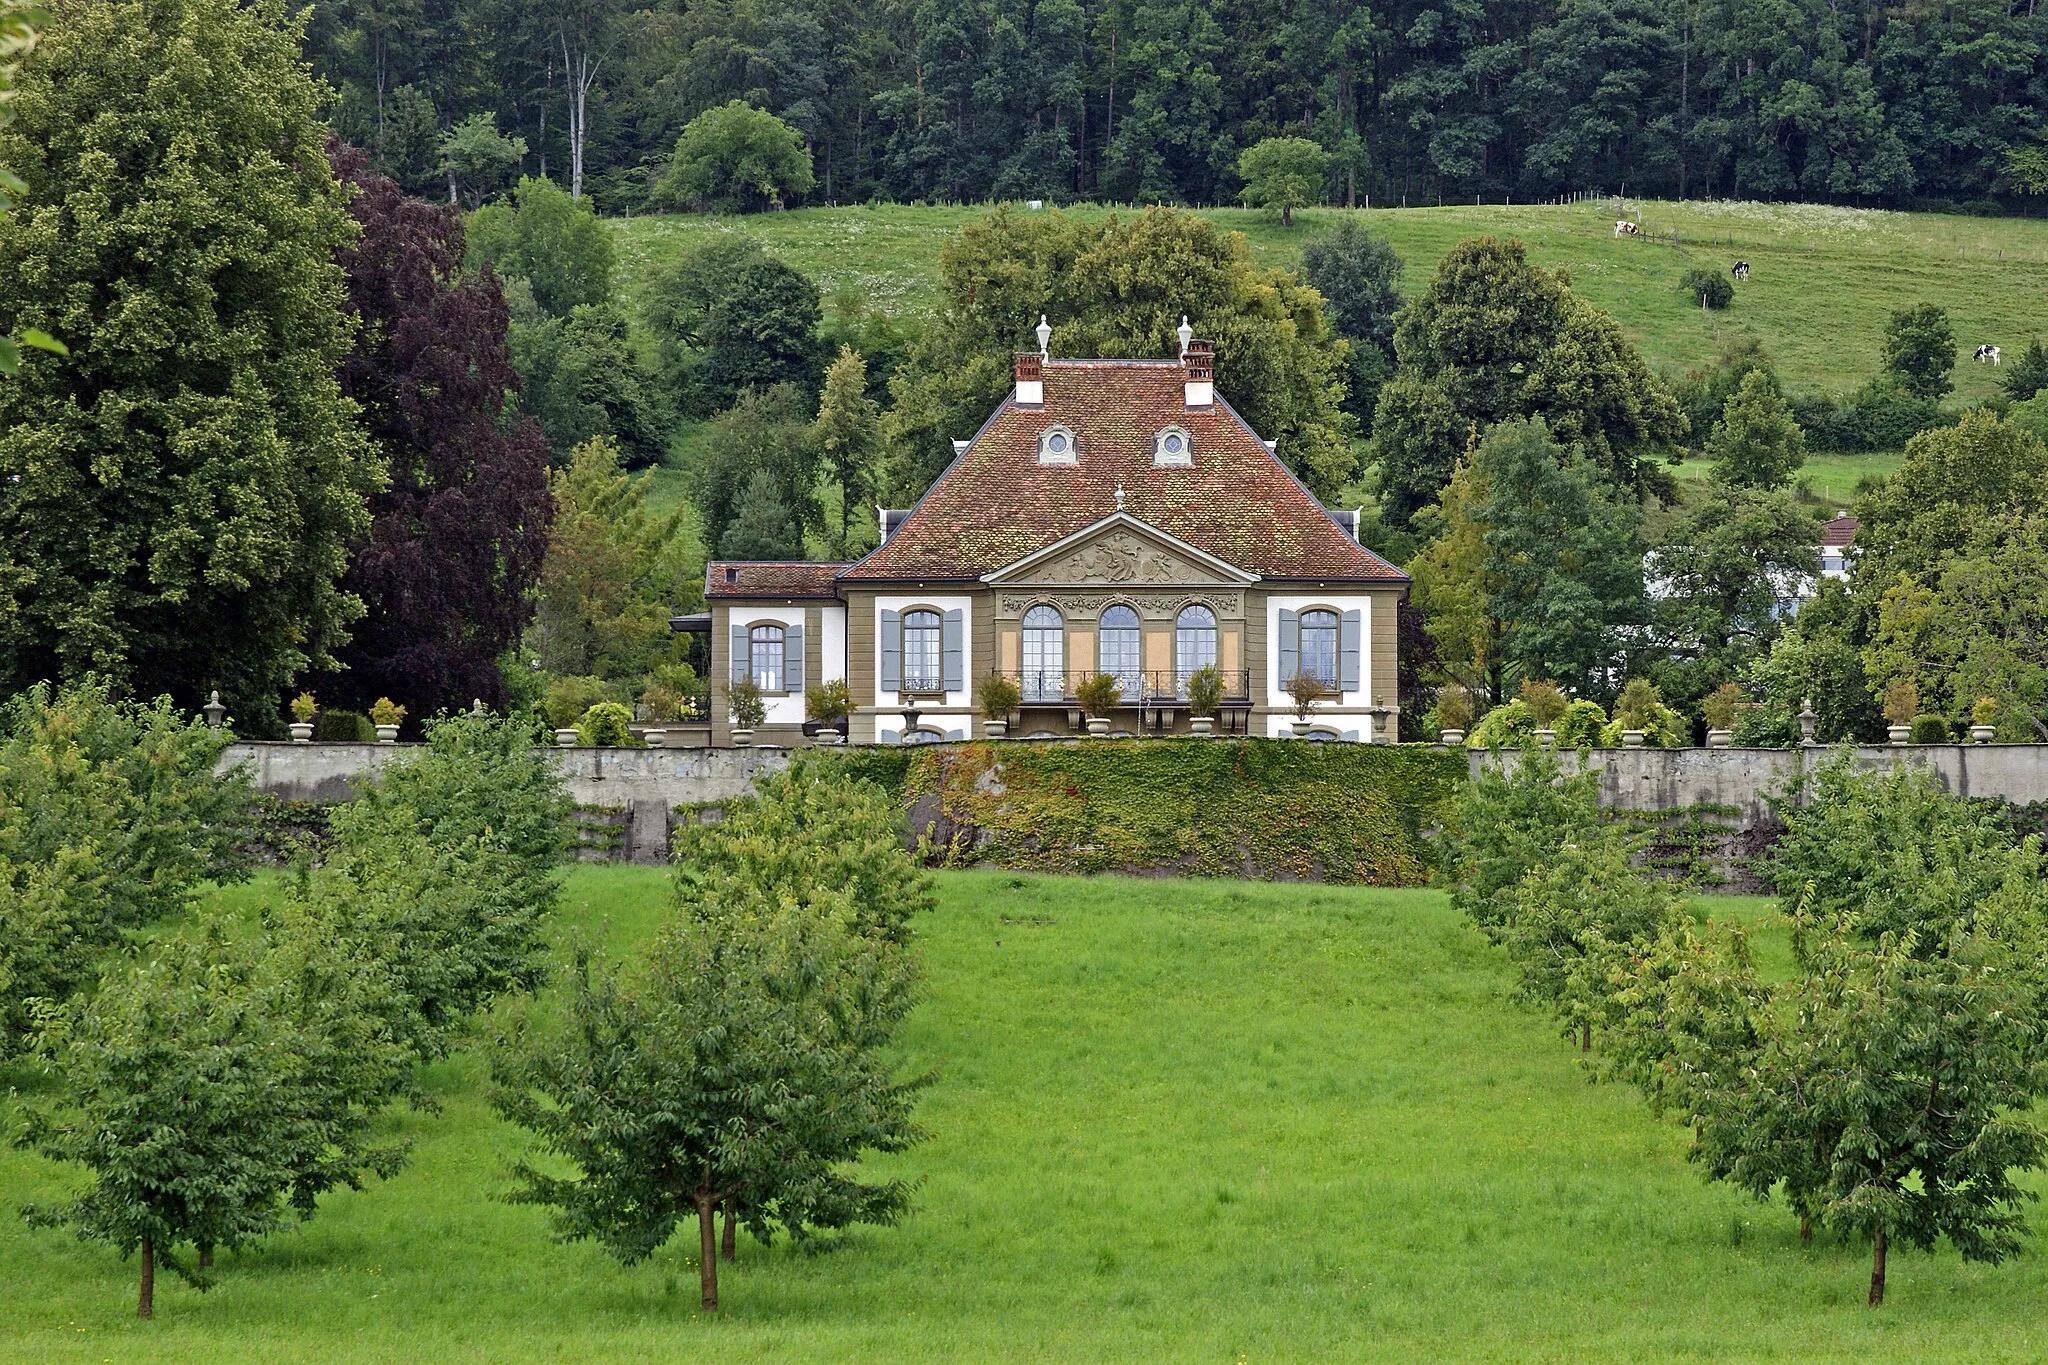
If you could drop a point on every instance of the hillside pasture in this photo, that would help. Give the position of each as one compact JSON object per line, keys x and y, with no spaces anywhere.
{"x":1203,"y":1121}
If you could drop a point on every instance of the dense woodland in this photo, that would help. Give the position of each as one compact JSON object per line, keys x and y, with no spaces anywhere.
{"x":1145,"y":100}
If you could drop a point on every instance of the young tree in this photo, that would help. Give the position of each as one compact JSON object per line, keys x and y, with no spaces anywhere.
{"x":214,"y":558}
{"x":474,"y":154}
{"x":744,"y":1061}
{"x":736,"y":158}
{"x":2028,"y":374}
{"x":1512,"y":819}
{"x":1454,"y":589}
{"x":765,"y":432}
{"x":456,"y":537}
{"x":1920,"y":349}
{"x":1756,"y":444}
{"x":1284,"y":173}
{"x":551,"y":240}
{"x":848,"y":439}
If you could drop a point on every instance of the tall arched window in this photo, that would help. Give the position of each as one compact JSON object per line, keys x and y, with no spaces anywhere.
{"x":1319,"y":647}
{"x":921,"y":663}
{"x":764,"y":650}
{"x":1194,"y":643}
{"x":1118,"y":650}
{"x":1045,"y":655}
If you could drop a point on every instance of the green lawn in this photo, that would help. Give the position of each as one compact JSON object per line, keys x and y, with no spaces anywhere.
{"x":1191,"y":1121}
{"x":1824,"y":278}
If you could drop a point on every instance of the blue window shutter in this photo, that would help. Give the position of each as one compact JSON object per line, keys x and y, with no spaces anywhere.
{"x":793,"y":659}
{"x":892,"y":651}
{"x":953,"y":647}
{"x":1347,"y":653}
{"x":1351,"y":736}
{"x":742,"y":660}
{"x":1290,"y":646}
{"x":956,"y":735}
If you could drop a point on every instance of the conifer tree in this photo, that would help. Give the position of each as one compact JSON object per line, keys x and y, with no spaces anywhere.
{"x":848,"y":435}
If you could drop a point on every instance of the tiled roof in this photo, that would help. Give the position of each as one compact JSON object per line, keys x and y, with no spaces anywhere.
{"x":1839,"y":531}
{"x":996,"y":503}
{"x":775,"y":578}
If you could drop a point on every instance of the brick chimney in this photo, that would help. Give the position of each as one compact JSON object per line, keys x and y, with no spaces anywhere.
{"x":1030,"y":379}
{"x":1198,"y":365}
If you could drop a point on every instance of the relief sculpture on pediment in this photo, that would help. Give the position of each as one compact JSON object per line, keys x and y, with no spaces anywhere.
{"x":1122,"y":558}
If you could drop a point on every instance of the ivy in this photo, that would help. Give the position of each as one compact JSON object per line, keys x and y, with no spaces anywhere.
{"x":1274,"y":809}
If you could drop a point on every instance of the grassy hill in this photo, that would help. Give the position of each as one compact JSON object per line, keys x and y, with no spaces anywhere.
{"x":1173,"y":1120}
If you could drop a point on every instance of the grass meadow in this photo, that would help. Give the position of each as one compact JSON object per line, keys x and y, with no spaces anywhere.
{"x":1197,"y":1121}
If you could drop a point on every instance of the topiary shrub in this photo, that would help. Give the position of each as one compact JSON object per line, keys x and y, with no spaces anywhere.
{"x":1099,"y":694}
{"x":1545,"y":700}
{"x":1931,"y":730}
{"x":1708,"y":288}
{"x":1205,"y":691}
{"x":607,"y":725}
{"x":999,"y":696}
{"x":1580,"y":725}
{"x":344,"y":727}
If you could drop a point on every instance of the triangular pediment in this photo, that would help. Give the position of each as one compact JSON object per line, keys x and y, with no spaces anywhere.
{"x":1120,"y":549}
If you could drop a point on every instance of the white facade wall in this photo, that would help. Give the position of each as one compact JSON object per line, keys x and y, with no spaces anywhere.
{"x":832,"y":643}
{"x":787,"y":708}
{"x":957,"y":713}
{"x":1345,"y":713}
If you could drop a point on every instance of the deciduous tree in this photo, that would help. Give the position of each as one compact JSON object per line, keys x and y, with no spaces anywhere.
{"x":735,"y":158}
{"x":1283,"y":173}
{"x":1920,"y":349}
{"x":549,"y":239}
{"x":1756,"y":443}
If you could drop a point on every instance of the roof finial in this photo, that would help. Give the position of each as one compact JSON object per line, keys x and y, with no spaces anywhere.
{"x":1044,"y":337}
{"x":1186,"y":335}
{"x":1119,"y":497}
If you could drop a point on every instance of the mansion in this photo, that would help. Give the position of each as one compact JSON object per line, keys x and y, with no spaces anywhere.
{"x":1110,"y":517}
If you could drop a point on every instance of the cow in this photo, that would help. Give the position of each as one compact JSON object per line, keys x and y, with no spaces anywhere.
{"x":1624,"y":228}
{"x":1985,"y":353}
{"x":1742,"y":271}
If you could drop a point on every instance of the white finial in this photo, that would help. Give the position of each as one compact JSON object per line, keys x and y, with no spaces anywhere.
{"x":1044,"y":338}
{"x":1119,"y":497}
{"x":1185,"y":333}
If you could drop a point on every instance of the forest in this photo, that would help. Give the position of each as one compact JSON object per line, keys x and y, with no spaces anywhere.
{"x":1142,"y":101}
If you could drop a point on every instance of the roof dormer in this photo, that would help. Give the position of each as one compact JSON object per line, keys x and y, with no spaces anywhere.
{"x":1056,"y":445}
{"x":1173,"y":446}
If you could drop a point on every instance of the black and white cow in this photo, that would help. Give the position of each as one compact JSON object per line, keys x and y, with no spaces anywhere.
{"x":1742,"y":271}
{"x":1987,"y":354}
{"x":1624,"y":228}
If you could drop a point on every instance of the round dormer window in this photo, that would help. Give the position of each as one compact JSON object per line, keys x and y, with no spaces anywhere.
{"x":1173,"y":444}
{"x":1056,"y":443}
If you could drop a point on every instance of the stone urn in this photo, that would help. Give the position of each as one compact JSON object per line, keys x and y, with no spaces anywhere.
{"x":742,"y":739}
{"x":1898,"y":734}
{"x":1981,"y":734}
{"x":1098,"y":726}
{"x":1547,"y":738}
{"x":1452,"y":737}
{"x":1202,"y":725}
{"x":1720,"y":739}
{"x":828,"y":737}
{"x":565,"y":739}
{"x":387,"y":734}
{"x":1632,"y":739}
{"x":302,"y":731}
{"x":1301,"y":727}
{"x":994,"y":729}
{"x":654,"y":739}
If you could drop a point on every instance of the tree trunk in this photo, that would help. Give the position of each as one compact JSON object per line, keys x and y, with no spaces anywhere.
{"x":1585,"y":1035}
{"x":145,"y":1298}
{"x":206,"y":1256}
{"x":730,"y":1246}
{"x":1287,"y":215}
{"x":1877,"y":1249}
{"x":1805,"y":1229}
{"x":707,"y":1250}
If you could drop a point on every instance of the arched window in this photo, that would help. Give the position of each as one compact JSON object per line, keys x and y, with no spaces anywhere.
{"x":1319,"y":647}
{"x":1045,"y":655}
{"x":1194,"y":643}
{"x":1118,"y":650}
{"x":921,"y":663}
{"x":764,"y":650}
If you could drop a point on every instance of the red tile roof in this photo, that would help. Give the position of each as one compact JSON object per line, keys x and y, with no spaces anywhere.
{"x":996,"y":503}
{"x":773,"y":578}
{"x":1839,"y":531}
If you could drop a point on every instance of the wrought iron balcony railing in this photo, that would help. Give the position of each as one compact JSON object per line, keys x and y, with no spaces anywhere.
{"x":1139,"y":687}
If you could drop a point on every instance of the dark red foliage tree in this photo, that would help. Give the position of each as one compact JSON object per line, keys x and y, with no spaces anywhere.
{"x":456,"y":540}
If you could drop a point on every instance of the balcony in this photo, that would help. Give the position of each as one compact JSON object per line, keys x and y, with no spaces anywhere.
{"x":1159,"y":695}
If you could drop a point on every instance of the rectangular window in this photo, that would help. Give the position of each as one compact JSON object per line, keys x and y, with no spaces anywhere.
{"x":764,"y":643}
{"x":921,"y":657}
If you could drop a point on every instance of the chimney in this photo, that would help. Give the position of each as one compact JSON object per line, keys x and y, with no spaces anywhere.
{"x":1198,"y":365}
{"x":1030,"y":379}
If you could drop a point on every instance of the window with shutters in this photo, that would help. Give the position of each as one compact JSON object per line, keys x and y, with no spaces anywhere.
{"x":1045,"y":655}
{"x":1119,"y":646}
{"x":765,"y":649}
{"x":921,"y":652}
{"x":1194,"y":643}
{"x":1319,"y":647}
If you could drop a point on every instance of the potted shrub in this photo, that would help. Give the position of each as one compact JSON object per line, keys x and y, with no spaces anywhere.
{"x":749,"y":711}
{"x":607,"y":725}
{"x":1453,"y":714}
{"x":1931,"y":730}
{"x":999,"y":697}
{"x":1546,"y":702}
{"x":1305,"y":690}
{"x":387,"y":715}
{"x":828,"y":704}
{"x":1901,"y":704}
{"x":1205,"y":699}
{"x":1719,"y":710}
{"x":1098,"y":694}
{"x":304,"y":708}
{"x":1984,"y":720}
